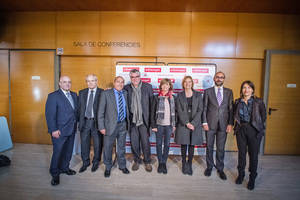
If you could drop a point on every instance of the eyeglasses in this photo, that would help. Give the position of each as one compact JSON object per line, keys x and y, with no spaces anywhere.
{"x":134,"y":76}
{"x":220,"y":77}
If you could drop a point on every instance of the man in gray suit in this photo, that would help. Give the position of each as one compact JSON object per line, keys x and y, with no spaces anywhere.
{"x":139,"y":99}
{"x":217,"y":122}
{"x":88,"y":126}
{"x":113,"y":123}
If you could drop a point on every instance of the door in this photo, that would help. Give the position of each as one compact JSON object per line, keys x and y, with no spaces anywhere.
{"x":283,"y":126}
{"x":31,"y":78}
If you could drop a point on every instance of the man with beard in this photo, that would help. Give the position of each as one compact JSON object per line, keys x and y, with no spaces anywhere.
{"x":217,"y":122}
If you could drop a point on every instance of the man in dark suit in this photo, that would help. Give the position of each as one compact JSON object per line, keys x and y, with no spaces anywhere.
{"x":113,"y":123}
{"x":61,"y":116}
{"x":88,"y":126}
{"x":139,"y":99}
{"x":217,"y":122}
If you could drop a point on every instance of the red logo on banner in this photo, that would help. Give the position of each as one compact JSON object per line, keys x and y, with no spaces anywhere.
{"x":146,"y":80}
{"x":196,"y":81}
{"x":178,"y":70}
{"x":152,"y":69}
{"x":127,"y":69}
{"x":200,"y":70}
{"x":172,"y":80}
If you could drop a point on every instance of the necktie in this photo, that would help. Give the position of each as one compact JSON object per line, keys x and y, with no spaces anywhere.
{"x":89,"y":109}
{"x":219,"y":96}
{"x":70,"y":99}
{"x":121,"y":107}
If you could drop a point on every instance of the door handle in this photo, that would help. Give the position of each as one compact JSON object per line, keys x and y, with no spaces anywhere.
{"x":272,"y":109}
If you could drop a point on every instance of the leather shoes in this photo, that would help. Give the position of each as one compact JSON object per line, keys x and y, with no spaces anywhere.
{"x":160,"y":168}
{"x":135,"y":166}
{"x":95,"y":167}
{"x":55,"y":180}
{"x":207,"y":172}
{"x":164,"y":168}
{"x":107,"y":173}
{"x":222,"y":175}
{"x":83,"y":168}
{"x":69,"y":172}
{"x":239,"y":179}
{"x":148,"y":167}
{"x":125,"y":170}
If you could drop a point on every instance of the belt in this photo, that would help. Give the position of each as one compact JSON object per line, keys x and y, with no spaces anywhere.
{"x":92,"y":118}
{"x":119,"y":122}
{"x":244,"y":123}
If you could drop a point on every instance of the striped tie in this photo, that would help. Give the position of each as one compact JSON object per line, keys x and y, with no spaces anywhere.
{"x":70,"y":99}
{"x":121,"y":107}
{"x":219,"y":96}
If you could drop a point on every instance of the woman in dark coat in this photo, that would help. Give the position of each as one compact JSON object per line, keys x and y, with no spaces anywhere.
{"x":250,"y":117}
{"x":189,"y":107}
{"x":163,"y":121}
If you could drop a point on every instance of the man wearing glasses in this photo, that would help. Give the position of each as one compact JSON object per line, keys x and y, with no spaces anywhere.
{"x":139,"y":99}
{"x":217,"y":122}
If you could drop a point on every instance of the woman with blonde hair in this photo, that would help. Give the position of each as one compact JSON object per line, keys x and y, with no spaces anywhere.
{"x":163,"y":121}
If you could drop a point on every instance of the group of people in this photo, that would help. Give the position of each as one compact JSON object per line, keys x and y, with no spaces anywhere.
{"x":105,"y":116}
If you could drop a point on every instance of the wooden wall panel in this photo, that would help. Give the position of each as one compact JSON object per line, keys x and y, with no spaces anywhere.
{"x":167,"y":34}
{"x":291,"y":32}
{"x":123,"y":27}
{"x":35,"y":30}
{"x":236,"y":70}
{"x":28,"y":95}
{"x":81,"y":27}
{"x":7,"y":30}
{"x":104,"y":67}
{"x":213,"y":34}
{"x":4,"y":93}
{"x":258,"y":32}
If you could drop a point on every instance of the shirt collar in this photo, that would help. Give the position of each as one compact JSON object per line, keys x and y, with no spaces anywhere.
{"x":116,"y":91}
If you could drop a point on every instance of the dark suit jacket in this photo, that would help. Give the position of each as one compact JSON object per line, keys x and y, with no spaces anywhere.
{"x":83,"y":96}
{"x":108,"y":111}
{"x":213,"y":113}
{"x":147,"y":94}
{"x":182,"y":135}
{"x":258,"y":116}
{"x":59,"y":113}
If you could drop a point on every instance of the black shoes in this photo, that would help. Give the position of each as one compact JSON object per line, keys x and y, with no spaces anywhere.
{"x":69,"y":172}
{"x":55,"y":180}
{"x":251,"y":183}
{"x":164,"y":168}
{"x":125,"y":170}
{"x":222,"y":175}
{"x":83,"y":168}
{"x":240,"y":178}
{"x":184,"y":166}
{"x":95,"y":167}
{"x":207,"y":172}
{"x":107,"y":173}
{"x":189,"y":169}
{"x":160,"y":168}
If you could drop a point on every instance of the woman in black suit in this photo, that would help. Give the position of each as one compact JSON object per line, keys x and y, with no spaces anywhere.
{"x":250,"y":117}
{"x":189,"y":107}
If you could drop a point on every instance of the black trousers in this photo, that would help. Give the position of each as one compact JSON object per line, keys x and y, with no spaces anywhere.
{"x":247,"y":140}
{"x":140,"y":135}
{"x":90,"y":130}
{"x":220,"y":137}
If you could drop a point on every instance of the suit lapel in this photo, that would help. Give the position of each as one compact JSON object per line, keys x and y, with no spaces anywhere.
{"x":194,"y":103}
{"x":65,"y":99}
{"x":225,"y":94}
{"x":214,"y":96}
{"x":112,"y":97}
{"x":85,"y":95}
{"x":184,"y":100}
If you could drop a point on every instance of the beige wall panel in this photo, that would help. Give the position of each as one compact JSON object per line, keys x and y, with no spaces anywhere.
{"x":122,"y":27}
{"x":213,"y":34}
{"x":28,"y":96}
{"x":236,"y":70}
{"x":82,"y":27}
{"x":7,"y":30}
{"x":35,"y":30}
{"x":78,"y":67}
{"x":258,"y":32}
{"x":291,"y":32}
{"x":4,"y":94}
{"x":167,"y":33}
